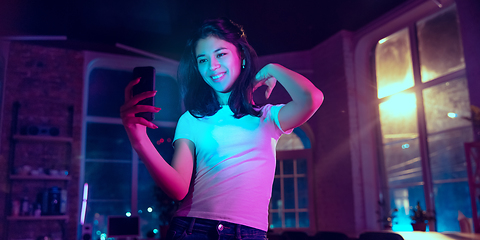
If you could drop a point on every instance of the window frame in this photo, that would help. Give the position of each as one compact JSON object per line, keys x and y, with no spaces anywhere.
{"x":418,"y":88}
{"x":365,"y":168}
{"x":95,"y":60}
{"x":306,"y":154}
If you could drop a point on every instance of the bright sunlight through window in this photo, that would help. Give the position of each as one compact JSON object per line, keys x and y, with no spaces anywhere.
{"x":402,"y":104}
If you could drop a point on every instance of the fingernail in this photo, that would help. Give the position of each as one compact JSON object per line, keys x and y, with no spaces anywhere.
{"x":158,"y":109}
{"x":155,"y":126}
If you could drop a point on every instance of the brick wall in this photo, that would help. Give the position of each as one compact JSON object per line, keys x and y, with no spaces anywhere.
{"x":333,"y":167}
{"x":45,"y":81}
{"x":326,"y":67}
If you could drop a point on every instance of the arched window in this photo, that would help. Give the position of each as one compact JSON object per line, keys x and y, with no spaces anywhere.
{"x":290,"y":205}
{"x":119,"y":183}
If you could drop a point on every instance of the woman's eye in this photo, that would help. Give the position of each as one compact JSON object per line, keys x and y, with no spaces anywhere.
{"x":202,"y":60}
{"x":221,"y":54}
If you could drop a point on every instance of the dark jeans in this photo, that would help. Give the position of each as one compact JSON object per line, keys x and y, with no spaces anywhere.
{"x":187,"y":228}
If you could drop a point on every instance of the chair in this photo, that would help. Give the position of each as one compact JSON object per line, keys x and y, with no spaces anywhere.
{"x":380,"y":236}
{"x":294,"y":235}
{"x":325,"y":235}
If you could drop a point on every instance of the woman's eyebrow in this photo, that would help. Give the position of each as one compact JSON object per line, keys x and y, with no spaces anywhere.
{"x":217,"y":50}
{"x":220,"y":49}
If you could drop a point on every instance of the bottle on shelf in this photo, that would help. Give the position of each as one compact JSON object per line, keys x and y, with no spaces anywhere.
{"x":24,"y":207}
{"x":16,"y":208}
{"x":38,"y":210}
{"x":54,"y":199}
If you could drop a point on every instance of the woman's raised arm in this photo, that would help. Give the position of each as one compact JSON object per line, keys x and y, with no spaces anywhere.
{"x":306,"y":98}
{"x":173,"y":179}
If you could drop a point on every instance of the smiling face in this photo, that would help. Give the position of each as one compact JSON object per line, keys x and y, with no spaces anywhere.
{"x":219,"y":64}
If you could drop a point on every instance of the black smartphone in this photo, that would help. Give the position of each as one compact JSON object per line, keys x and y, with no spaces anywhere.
{"x":147,"y":83}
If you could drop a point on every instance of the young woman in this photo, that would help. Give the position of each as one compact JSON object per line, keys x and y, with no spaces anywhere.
{"x":224,"y":160}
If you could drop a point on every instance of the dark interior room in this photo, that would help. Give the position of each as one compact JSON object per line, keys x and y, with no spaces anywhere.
{"x":392,"y":152}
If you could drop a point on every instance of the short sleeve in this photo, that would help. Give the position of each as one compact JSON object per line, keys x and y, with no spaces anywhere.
{"x":270,"y":112}
{"x":184,"y":127}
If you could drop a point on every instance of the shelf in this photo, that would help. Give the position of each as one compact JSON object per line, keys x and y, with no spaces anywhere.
{"x":43,"y":177}
{"x":41,"y":151}
{"x":40,"y":138}
{"x":40,"y":218}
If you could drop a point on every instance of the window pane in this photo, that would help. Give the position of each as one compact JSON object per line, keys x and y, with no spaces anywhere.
{"x":402,"y":199}
{"x":108,"y":180}
{"x":398,"y":121}
{"x":276,"y":201}
{"x":107,"y":141}
{"x":402,"y":163}
{"x":301,"y":166}
{"x":288,"y":166}
{"x":302,"y":192}
{"x":446,"y":104}
{"x":450,"y":198}
{"x":289,"y":190}
{"x":148,"y":205}
{"x":393,"y":64}
{"x":106,"y":92}
{"x":439,"y":44}
{"x":447,"y":154}
{"x":167,"y":98}
{"x":290,"y":221}
{"x":304,"y":221}
{"x":398,"y":118}
{"x":146,"y":185}
{"x":277,"y":167}
{"x":276,"y":221}
{"x":446,"y":136}
{"x":162,"y":140}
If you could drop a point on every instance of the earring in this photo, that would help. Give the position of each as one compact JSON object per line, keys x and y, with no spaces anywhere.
{"x":243,"y":63}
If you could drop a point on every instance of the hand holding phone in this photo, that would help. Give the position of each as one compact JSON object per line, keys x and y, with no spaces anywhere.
{"x":147,"y":83}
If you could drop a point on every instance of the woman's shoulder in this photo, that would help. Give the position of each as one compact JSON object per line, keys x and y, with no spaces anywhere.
{"x":269,"y":109}
{"x":186,"y":117}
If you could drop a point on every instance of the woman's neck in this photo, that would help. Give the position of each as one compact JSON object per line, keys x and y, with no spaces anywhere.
{"x":223,"y":97}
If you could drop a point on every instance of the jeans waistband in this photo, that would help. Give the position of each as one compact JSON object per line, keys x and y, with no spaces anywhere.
{"x":208,"y":225}
{"x":191,"y":224}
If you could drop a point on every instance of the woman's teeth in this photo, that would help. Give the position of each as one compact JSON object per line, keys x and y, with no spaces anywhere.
{"x":218,"y":76}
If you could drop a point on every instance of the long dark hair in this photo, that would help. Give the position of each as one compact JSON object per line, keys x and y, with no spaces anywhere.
{"x":199,"y":98}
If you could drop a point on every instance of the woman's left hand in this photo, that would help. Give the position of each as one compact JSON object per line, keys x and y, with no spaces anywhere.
{"x":265,"y":77}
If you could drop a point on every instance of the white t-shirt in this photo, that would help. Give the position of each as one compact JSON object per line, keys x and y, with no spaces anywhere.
{"x":235,"y":165}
